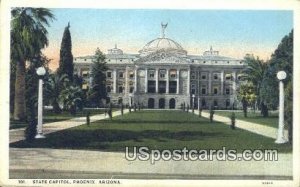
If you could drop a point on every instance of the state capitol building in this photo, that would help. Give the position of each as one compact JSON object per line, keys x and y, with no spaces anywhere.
{"x":162,"y":75}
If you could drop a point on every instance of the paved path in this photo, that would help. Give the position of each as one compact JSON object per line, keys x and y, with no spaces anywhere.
{"x":18,"y":134}
{"x":263,"y":130}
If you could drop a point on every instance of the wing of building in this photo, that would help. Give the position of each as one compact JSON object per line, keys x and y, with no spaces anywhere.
{"x":163,"y":75}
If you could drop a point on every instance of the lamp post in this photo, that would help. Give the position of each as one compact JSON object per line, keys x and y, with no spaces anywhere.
{"x":281,"y":75}
{"x":41,"y":71}
{"x":198,"y":102}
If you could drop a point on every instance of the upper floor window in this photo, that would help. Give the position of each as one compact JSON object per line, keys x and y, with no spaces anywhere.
{"x":151,"y":73}
{"x":227,"y":91}
{"x":131,"y":74}
{"x":173,"y":73}
{"x":162,"y":73}
{"x":193,"y":75}
{"x":216,"y":76}
{"x":121,"y":75}
{"x":216,"y":90}
{"x":203,"y":76}
{"x":228,"y":76}
{"x":108,"y":74}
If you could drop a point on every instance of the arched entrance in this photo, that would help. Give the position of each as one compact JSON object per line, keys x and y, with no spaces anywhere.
{"x":150,"y":103}
{"x":172,"y":103}
{"x":161,"y":103}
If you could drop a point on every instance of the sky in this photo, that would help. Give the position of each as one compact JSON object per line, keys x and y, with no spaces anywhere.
{"x":233,"y":33}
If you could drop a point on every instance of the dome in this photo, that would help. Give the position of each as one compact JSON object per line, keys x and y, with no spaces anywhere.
{"x":162,"y":43}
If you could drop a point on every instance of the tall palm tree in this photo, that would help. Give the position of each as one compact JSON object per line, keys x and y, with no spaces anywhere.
{"x":28,"y":37}
{"x":255,"y":73}
{"x":53,"y":87}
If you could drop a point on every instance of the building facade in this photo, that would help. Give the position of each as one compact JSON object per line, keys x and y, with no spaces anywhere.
{"x":162,"y":75}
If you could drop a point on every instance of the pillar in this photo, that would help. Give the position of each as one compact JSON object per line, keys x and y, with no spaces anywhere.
{"x":115,"y":81}
{"x":146,"y":80}
{"x":209,"y":82}
{"x":167,"y":85}
{"x":178,"y":75}
{"x":135,"y":79}
{"x":156,"y":80}
{"x":188,"y":81}
{"x":222,"y":82}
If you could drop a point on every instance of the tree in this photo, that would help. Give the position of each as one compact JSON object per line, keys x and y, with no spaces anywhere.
{"x":55,"y":84}
{"x":281,"y":59}
{"x":28,"y":37}
{"x":66,"y":65}
{"x":71,"y":97}
{"x":247,"y":96}
{"x":255,"y":74}
{"x":97,"y":91}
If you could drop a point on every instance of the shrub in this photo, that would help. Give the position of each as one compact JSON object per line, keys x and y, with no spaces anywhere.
{"x":232,"y":117}
{"x":211,"y":115}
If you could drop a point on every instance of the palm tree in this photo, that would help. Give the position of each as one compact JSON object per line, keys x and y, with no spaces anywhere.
{"x":255,"y":73}
{"x":28,"y":37}
{"x":71,"y":97}
{"x":53,"y":87}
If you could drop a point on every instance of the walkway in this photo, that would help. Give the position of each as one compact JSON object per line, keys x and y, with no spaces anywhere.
{"x":18,"y":134}
{"x":263,"y":130}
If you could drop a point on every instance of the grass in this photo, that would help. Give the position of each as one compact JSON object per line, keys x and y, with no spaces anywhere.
{"x":157,"y":130}
{"x":49,"y":116}
{"x":271,"y":120}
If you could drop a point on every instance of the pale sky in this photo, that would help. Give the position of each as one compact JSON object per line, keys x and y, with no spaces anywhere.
{"x":232,"y":32}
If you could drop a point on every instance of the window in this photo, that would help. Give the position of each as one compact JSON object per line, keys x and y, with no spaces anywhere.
{"x":228,"y":76}
{"x":131,"y":74}
{"x":162,"y":73}
{"x":173,"y":73}
{"x":131,"y":89}
{"x":172,"y":86}
{"x":227,"y":91}
{"x":203,"y":76}
{"x":203,"y":91}
{"x":151,"y":73}
{"x":193,"y":90}
{"x":108,"y":89}
{"x":193,"y":75}
{"x":121,"y":75}
{"x":162,"y":86}
{"x":120,"y":89}
{"x":240,"y":77}
{"x":216,"y":77}
{"x":108,"y":74}
{"x":151,"y":86}
{"x":215,"y":90}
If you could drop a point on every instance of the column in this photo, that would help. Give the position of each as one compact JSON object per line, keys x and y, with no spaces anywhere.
{"x":167,"y":85}
{"x":146,"y":80}
{"x":234,"y":83}
{"x":126,"y":80}
{"x":135,"y":79}
{"x":156,"y":83}
{"x":222,"y":82}
{"x":209,"y":83}
{"x":115,"y":81}
{"x":188,"y":81}
{"x":177,"y":76}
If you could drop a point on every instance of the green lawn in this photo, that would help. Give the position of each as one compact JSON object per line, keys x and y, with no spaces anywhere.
{"x":49,"y":117}
{"x":157,"y":130}
{"x":272,"y":120}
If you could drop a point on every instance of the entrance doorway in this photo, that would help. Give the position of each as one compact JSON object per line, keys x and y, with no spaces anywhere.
{"x":150,"y":103}
{"x":172,"y":103}
{"x":161,"y":103}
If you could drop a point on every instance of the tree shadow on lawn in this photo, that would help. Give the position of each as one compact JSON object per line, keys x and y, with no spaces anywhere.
{"x":100,"y":139}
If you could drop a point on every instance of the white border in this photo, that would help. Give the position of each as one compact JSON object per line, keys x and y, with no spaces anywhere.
{"x":148,"y":4}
